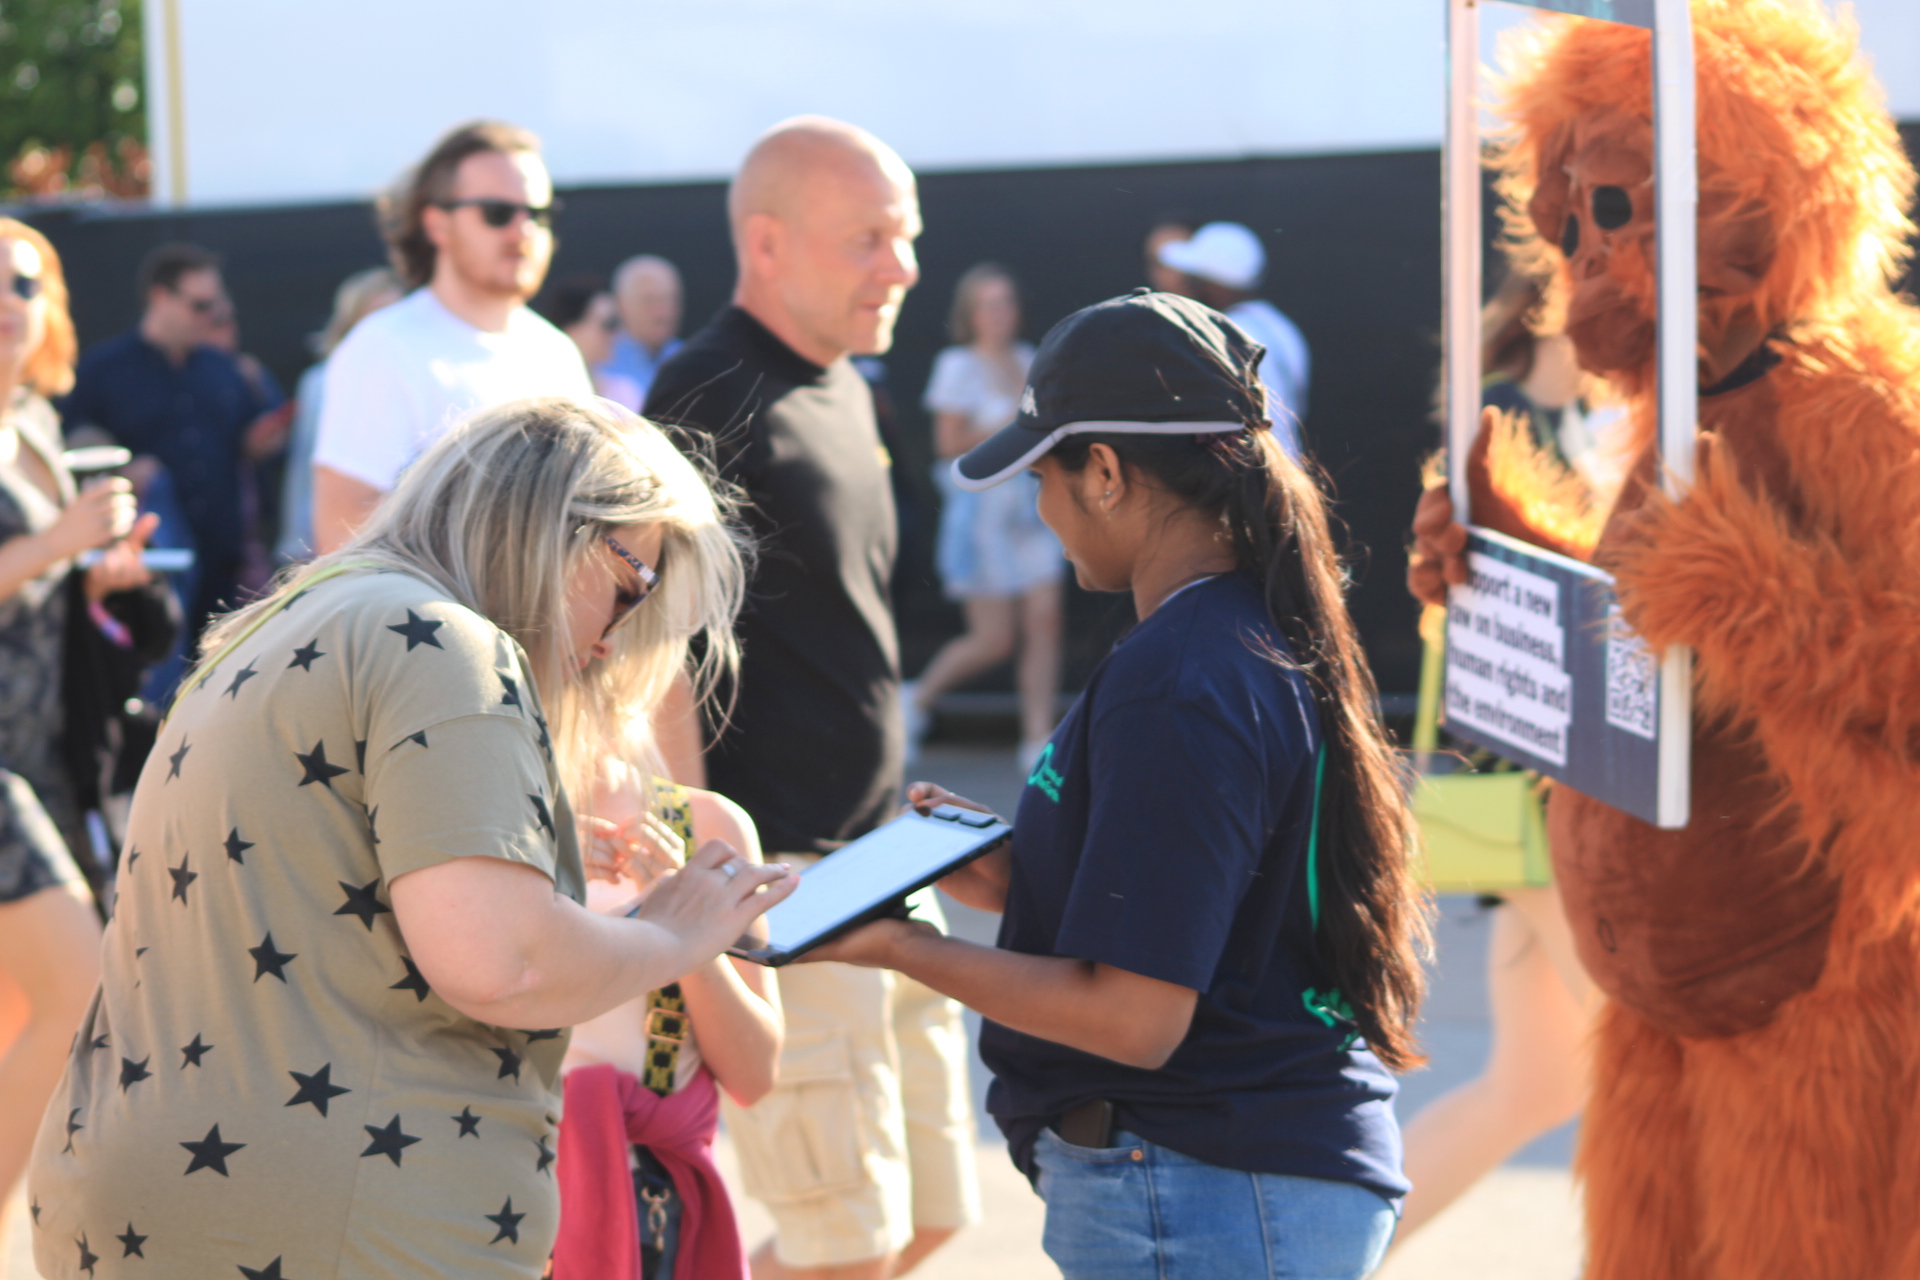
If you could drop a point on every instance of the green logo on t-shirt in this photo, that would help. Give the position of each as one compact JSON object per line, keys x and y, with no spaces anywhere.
{"x":1045,"y":776}
{"x":1332,"y":1008}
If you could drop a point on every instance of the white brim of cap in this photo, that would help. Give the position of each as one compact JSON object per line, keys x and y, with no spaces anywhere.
{"x":1046,"y":442}
{"x":1182,"y":256}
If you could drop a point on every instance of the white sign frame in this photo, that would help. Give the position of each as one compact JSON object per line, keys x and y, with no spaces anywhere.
{"x":1675,"y":199}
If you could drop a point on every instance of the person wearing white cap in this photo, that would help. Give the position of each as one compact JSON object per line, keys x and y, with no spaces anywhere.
{"x":1223,"y":264}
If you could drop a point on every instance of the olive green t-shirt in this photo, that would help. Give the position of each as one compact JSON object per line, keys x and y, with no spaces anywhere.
{"x":265,"y":1084}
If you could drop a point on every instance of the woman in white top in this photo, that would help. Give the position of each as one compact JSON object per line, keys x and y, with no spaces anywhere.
{"x":718,"y":1025}
{"x":995,"y":556}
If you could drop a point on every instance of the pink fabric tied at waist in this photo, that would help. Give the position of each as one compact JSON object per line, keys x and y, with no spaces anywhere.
{"x":607,"y":1108}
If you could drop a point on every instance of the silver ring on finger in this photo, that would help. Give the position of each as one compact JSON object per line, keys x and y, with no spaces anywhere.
{"x":730,"y":869}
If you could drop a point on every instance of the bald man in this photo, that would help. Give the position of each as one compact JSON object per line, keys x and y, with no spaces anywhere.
{"x":647,"y":292}
{"x":864,"y":1151}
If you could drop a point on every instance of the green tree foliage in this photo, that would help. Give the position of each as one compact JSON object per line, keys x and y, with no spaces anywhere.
{"x":71,"y":83}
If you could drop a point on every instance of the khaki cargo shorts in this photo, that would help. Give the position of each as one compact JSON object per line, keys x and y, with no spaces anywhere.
{"x":870,"y":1132}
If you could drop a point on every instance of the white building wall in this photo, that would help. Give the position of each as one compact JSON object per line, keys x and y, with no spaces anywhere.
{"x":297,"y":101}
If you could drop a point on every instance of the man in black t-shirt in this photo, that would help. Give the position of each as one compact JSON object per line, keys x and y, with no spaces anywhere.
{"x":824,"y":217}
{"x":810,"y":749}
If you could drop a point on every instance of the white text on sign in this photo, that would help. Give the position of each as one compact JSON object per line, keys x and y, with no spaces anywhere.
{"x":1506,"y":658}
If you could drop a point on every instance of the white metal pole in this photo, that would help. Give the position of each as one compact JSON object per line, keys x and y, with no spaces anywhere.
{"x":166,"y":103}
{"x":1460,"y":233}
{"x":1675,"y":200}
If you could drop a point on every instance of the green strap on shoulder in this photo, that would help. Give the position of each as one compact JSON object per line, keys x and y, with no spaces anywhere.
{"x":1313,"y":839}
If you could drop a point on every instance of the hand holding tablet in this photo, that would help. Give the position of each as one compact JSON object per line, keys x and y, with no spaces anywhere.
{"x":870,"y":878}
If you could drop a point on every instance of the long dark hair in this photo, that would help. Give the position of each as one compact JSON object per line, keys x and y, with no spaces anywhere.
{"x":1373,"y":929}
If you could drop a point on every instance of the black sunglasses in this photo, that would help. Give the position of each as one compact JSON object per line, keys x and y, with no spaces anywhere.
{"x":624,"y":600}
{"x":27,"y":288}
{"x":499,"y":214}
{"x":201,"y":306}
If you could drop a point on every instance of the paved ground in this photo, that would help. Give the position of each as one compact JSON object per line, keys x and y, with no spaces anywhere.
{"x":1520,"y":1224}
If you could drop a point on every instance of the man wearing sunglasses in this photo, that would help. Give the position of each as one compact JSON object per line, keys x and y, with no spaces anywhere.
{"x":167,"y":392}
{"x":470,"y":230}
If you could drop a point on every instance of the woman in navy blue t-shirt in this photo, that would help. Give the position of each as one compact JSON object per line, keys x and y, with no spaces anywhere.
{"x":1209,"y":958}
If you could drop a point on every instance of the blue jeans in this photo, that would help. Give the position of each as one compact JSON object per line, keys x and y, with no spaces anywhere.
{"x":1137,"y":1211}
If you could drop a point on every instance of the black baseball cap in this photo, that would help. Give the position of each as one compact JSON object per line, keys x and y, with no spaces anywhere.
{"x":1145,"y":363}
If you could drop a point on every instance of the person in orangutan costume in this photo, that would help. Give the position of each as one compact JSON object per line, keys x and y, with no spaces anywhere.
{"x":1756,"y":1082}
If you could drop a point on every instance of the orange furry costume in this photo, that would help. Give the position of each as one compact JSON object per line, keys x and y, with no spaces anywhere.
{"x":1756,"y":1099}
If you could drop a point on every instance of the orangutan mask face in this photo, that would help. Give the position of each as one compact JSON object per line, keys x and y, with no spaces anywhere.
{"x":1594,"y":199}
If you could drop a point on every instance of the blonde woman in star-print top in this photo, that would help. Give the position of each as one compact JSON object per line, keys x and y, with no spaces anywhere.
{"x":328,"y":1035}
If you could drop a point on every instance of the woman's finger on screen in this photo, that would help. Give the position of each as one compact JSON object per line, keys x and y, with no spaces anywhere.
{"x":760,"y":887}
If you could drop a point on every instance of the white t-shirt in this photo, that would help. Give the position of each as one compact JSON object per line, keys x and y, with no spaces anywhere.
{"x":1284,"y":370}
{"x":962,"y":382}
{"x":409,"y":371}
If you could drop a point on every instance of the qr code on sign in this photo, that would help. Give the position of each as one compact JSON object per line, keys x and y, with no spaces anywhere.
{"x":1632,"y":678}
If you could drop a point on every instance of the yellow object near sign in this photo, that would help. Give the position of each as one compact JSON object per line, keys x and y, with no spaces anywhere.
{"x":1482,"y":832}
{"x":1479,"y":832}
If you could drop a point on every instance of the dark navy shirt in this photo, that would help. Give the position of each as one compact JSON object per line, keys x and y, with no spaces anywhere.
{"x":1164,"y":832}
{"x":192,"y":418}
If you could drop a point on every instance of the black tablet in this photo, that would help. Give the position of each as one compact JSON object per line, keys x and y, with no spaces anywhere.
{"x":870,"y":878}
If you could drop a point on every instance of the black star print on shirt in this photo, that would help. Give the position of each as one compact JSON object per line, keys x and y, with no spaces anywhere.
{"x":132,"y":1073}
{"x":546,"y":1158}
{"x":509,"y":1063}
{"x":132,"y":1240}
{"x":268,"y":961}
{"x":100,"y":1041}
{"x":387,"y":1141}
{"x":318,"y":770}
{"x":417,"y":630}
{"x":178,"y":756}
{"x":73,"y":1126}
{"x":305,"y":656}
{"x":363,"y":902}
{"x":133,"y":856}
{"x":240,"y":677}
{"x":317,"y":1088}
{"x":211,"y":1153}
{"x":508,"y":1221}
{"x":236,"y":846}
{"x":420,"y":737}
{"x":546,"y":739}
{"x":412,"y":982}
{"x":33,"y":1207}
{"x":511,"y":698}
{"x":194,"y":1052}
{"x":469,"y":1124}
{"x":531,"y":1036}
{"x":272,"y":1270}
{"x":360,"y":755}
{"x":540,"y":811}
{"x":372,"y":815}
{"x":87,"y":1256}
{"x":182,"y":878}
